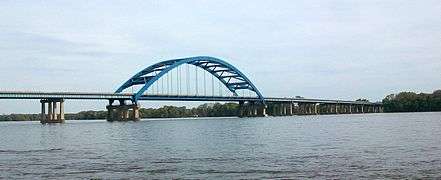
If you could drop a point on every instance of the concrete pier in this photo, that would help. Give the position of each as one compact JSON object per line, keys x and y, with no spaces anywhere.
{"x":55,"y":111}
{"x":122,"y":112}
{"x":252,"y":109}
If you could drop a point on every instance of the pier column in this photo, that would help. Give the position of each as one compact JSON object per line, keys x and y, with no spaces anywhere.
{"x":280,"y":108}
{"x":50,"y":110}
{"x":135,"y":112}
{"x":284,"y":107}
{"x":43,"y":111}
{"x":295,"y":108}
{"x":123,"y":112}
{"x":54,"y":114}
{"x":261,"y":110}
{"x":273,"y":110}
{"x":315,"y":109}
{"x":290,"y":108}
{"x":62,"y":110}
{"x":54,"y":110}
{"x":308,"y":109}
{"x":340,"y":108}
{"x":241,"y":108}
{"x":302,"y":109}
{"x":255,"y":109}
{"x":328,"y":108}
{"x":264,"y":113}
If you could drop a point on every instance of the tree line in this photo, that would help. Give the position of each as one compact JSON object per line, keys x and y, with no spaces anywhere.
{"x":401,"y":102}
{"x":204,"y":110}
{"x":413,"y":102}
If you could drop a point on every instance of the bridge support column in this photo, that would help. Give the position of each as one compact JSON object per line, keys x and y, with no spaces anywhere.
{"x":290,"y":109}
{"x":284,"y":108}
{"x":54,"y":114}
{"x":54,"y":110}
{"x":344,"y":109}
{"x":62,"y":110}
{"x":301,"y":109}
{"x":321,"y":108}
{"x":316,"y":109}
{"x":331,"y":108}
{"x":241,"y":108}
{"x":49,"y":111}
{"x":350,"y":108}
{"x":307,"y":109}
{"x":273,"y":110}
{"x":324,"y":108}
{"x":328,"y":108}
{"x":43,"y":111}
{"x":123,"y":112}
{"x":251,"y":109}
{"x":310,"y":109}
{"x":262,"y":111}
{"x":295,"y":108}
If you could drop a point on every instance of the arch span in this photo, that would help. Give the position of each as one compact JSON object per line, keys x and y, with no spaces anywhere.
{"x":226,"y":73}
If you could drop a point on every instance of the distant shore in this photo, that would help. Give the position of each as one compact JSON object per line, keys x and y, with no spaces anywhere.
{"x":401,"y":102}
{"x":204,"y":110}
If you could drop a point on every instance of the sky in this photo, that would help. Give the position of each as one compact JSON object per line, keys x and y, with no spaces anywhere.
{"x":333,"y":49}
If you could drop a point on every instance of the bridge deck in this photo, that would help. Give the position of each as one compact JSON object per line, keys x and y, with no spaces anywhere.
{"x":128,"y":96}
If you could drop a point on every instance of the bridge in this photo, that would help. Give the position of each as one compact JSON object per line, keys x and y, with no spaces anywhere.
{"x":179,"y":80}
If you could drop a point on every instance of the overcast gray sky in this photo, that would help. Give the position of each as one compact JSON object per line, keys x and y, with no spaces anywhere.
{"x":335,"y":49}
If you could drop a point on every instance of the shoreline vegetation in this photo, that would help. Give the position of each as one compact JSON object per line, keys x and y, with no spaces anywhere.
{"x":413,"y":102}
{"x":204,"y":110}
{"x":401,"y":102}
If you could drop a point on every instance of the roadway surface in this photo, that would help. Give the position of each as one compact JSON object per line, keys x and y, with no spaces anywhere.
{"x":128,"y":96}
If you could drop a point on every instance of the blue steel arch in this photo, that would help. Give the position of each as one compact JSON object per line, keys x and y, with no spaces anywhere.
{"x":222,"y":70}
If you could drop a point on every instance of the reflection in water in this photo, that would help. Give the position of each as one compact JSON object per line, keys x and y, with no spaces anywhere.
{"x":343,"y":146}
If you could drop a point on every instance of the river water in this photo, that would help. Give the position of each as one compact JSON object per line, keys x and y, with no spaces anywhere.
{"x":328,"y":146}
